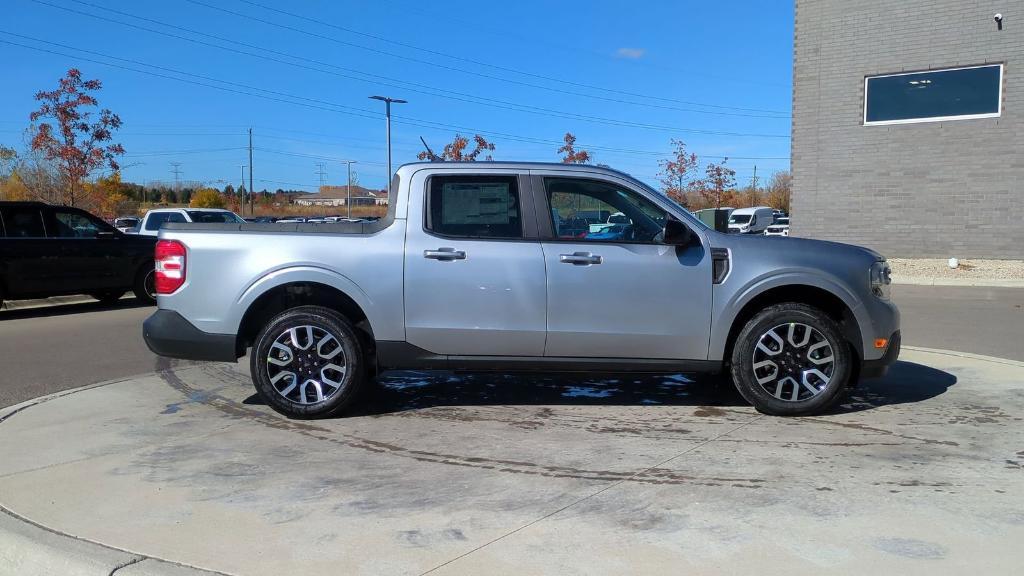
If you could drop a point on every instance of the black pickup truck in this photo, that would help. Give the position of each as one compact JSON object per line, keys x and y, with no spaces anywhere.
{"x":56,"y":250}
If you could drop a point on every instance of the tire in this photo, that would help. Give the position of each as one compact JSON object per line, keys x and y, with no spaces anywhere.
{"x":144,"y":287}
{"x":791,"y":360}
{"x":108,"y":297}
{"x":299,"y":342}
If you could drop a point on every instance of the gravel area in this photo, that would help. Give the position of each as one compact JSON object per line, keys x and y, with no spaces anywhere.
{"x":968,"y":269}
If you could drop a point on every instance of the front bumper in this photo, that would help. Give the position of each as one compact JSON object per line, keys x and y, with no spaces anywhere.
{"x":878,"y":368}
{"x":168,"y":333}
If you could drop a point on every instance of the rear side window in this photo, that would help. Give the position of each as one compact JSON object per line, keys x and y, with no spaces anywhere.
{"x":24,"y":222}
{"x":474,"y":207}
{"x":212,"y":217}
{"x":156,"y":220}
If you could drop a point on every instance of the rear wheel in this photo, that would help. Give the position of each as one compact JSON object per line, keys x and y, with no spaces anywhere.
{"x":145,"y":285}
{"x":307,"y":362}
{"x":108,"y":296}
{"x":791,"y":360}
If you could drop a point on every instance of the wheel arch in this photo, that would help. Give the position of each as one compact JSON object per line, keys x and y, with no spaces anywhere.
{"x":281,"y":297}
{"x":824,"y":297}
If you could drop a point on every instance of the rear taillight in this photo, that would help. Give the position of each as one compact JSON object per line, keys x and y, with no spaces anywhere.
{"x":170,"y":266}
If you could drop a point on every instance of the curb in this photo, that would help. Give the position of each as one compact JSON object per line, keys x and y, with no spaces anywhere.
{"x":31,"y":549}
{"x":935,"y":281}
{"x":28,"y":549}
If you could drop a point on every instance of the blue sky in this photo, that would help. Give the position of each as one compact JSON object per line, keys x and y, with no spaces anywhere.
{"x":625,"y":78}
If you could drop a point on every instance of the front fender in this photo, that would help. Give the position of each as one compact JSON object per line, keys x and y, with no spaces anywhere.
{"x":730,"y":301}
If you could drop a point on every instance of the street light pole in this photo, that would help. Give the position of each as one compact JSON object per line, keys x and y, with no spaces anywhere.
{"x":387,"y":111}
{"x":348,"y":189}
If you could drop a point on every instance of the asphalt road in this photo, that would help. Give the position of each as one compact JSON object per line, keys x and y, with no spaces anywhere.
{"x":45,"y":350}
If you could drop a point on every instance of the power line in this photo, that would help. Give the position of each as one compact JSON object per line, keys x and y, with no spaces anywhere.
{"x":381,"y":80}
{"x":470,"y":72}
{"x":316,"y":103}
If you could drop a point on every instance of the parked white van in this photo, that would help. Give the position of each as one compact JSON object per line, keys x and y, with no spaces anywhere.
{"x":750,"y":220}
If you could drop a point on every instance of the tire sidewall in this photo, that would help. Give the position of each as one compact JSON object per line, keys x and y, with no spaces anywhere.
{"x":139,"y":289}
{"x":329,"y":321}
{"x":743,"y":351}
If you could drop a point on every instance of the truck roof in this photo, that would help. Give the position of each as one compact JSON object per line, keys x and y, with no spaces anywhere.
{"x":519,"y":166}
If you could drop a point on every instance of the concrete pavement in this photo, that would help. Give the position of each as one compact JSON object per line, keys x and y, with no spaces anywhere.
{"x":920,"y":473}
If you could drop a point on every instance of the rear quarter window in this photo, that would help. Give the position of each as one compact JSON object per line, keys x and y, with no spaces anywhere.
{"x":23,"y":222}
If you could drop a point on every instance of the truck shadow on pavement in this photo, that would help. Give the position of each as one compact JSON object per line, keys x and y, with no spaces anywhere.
{"x":394,"y":392}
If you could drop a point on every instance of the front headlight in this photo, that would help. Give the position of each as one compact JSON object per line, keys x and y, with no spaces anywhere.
{"x":881,"y":279}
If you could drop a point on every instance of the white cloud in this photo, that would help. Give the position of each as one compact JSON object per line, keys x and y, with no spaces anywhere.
{"x":631,"y":53}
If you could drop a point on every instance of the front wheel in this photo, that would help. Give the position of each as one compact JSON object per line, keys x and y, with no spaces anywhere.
{"x":307,"y":362}
{"x":791,"y":360}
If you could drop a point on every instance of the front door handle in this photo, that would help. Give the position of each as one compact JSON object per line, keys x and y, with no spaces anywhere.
{"x":445,"y":254}
{"x":580,"y":258}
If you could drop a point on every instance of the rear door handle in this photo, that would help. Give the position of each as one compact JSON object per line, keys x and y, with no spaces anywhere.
{"x":580,"y":258}
{"x":445,"y":254}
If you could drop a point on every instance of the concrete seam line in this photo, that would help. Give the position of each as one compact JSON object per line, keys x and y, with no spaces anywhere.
{"x":968,"y":355}
{"x":593,"y":494}
{"x":126,"y":564}
{"x":139,"y":557}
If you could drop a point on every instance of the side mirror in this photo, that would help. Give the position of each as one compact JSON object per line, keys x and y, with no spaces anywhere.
{"x":676,"y":233}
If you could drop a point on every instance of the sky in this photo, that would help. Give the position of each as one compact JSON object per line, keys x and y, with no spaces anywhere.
{"x":188,"y":78}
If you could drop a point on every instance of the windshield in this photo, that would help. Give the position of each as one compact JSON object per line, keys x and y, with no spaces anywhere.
{"x":739,"y":218}
{"x":126,"y":221}
{"x":782,"y":220}
{"x":214,"y":217}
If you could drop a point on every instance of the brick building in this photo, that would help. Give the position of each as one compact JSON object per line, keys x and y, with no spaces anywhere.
{"x":908,"y":133}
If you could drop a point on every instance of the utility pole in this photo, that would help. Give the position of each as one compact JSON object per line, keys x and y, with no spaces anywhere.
{"x":348,"y":189}
{"x":321,"y":171}
{"x":251,"y":211}
{"x":176,"y":170}
{"x":241,"y":198}
{"x":387,"y":111}
{"x":753,"y":185}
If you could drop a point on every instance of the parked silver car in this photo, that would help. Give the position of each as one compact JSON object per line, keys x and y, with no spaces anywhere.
{"x":496,"y":266}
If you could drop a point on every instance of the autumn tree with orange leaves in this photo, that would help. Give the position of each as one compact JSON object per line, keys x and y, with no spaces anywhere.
{"x":570,"y":155}
{"x":717,"y":184}
{"x":677,"y":173}
{"x":455,"y":151}
{"x":78,"y":145}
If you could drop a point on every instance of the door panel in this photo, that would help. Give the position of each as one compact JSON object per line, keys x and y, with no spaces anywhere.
{"x":471,"y":286}
{"x":614,"y":290}
{"x":640,"y":301}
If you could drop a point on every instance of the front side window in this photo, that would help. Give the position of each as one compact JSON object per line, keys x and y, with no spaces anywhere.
{"x":955,"y":94}
{"x":474,"y":207}
{"x":595,"y":211}
{"x":23,"y":223}
{"x":73,"y":225}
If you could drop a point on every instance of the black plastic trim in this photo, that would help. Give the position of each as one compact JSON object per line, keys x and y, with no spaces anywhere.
{"x":397,"y":355}
{"x":878,"y":368}
{"x":168,"y":333}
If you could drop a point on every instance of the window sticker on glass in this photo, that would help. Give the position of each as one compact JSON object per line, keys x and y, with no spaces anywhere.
{"x":475,"y":203}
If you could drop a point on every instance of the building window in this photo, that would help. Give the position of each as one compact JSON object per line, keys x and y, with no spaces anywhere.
{"x":933,"y":96}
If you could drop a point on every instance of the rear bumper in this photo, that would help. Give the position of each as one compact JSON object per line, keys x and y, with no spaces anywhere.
{"x":878,"y":368}
{"x":168,"y":333}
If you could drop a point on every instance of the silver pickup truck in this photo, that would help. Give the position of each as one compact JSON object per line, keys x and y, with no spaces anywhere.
{"x":522,"y":267}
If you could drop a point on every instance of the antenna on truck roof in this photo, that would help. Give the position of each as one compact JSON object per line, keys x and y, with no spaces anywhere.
{"x":430,"y":153}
